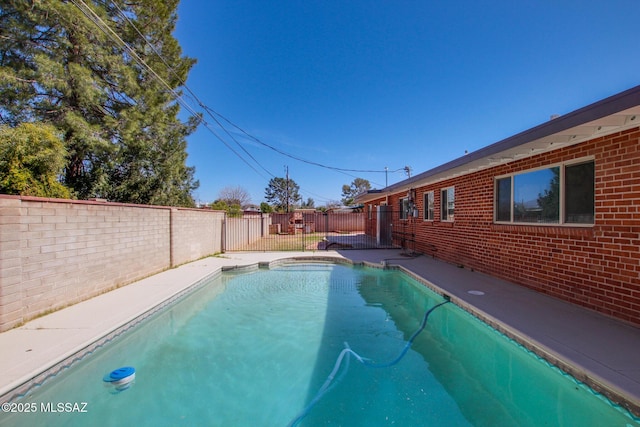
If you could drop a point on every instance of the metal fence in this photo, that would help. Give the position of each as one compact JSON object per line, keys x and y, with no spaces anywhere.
{"x":301,"y":231}
{"x":392,"y":229}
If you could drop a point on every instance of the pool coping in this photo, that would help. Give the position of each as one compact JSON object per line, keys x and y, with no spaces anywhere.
{"x":580,"y":373}
{"x":43,"y":347}
{"x":423,"y":269}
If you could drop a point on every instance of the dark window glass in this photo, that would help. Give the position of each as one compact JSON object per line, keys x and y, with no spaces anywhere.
{"x":503,"y":199}
{"x":579,"y":193}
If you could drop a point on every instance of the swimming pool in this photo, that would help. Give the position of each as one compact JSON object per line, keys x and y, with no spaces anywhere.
{"x":256,"y":348}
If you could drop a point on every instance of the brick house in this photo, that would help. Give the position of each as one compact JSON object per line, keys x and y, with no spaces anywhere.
{"x":555,"y":208}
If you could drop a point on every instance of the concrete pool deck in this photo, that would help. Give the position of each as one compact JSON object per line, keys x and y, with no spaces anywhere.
{"x":595,"y":349}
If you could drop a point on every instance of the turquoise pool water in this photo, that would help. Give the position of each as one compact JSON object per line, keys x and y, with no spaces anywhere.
{"x":254,"y":349}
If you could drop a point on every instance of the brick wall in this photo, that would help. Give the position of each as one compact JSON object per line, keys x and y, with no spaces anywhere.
{"x":58,"y":252}
{"x":595,"y":266}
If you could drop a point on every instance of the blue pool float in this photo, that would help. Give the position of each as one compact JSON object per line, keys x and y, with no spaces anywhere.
{"x":121,"y":378}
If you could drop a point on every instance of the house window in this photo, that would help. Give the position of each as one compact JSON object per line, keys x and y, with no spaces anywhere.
{"x":579,"y":199}
{"x":558,"y":194}
{"x":536,"y":196}
{"x":503,"y":199}
{"x":447,"y":204}
{"x":404,"y":208}
{"x":428,"y":206}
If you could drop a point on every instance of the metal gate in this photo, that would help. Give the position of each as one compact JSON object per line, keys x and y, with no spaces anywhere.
{"x":392,"y":229}
{"x":302,"y":231}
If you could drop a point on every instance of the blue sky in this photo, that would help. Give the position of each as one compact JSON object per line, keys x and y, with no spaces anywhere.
{"x":364,"y":85}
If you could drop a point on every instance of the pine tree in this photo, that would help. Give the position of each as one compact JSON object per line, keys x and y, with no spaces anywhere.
{"x":69,"y":63}
{"x":152,"y":154}
{"x":282,"y":193}
{"x":358,"y":186}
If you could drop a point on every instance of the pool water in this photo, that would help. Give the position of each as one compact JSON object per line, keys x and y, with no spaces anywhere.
{"x":254,"y":349}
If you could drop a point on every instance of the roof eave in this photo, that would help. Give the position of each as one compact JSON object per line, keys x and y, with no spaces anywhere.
{"x":604,"y":117}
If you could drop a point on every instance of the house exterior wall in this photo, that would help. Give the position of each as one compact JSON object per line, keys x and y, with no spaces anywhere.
{"x":56,"y":252}
{"x":595,"y":266}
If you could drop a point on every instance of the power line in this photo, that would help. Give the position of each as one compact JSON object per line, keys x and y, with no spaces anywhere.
{"x":212,"y":113}
{"x":253,"y":138}
{"x":93,"y":17}
{"x":184,"y":84}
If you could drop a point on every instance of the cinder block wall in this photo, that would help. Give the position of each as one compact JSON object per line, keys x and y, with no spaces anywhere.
{"x":195,"y":233}
{"x":594,"y":266}
{"x":55,"y":252}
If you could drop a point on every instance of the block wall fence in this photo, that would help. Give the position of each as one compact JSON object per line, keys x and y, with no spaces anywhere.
{"x":597,"y":266}
{"x":55,"y":252}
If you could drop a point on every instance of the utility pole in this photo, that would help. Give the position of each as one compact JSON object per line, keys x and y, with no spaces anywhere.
{"x":286,"y":168}
{"x":386,"y":177}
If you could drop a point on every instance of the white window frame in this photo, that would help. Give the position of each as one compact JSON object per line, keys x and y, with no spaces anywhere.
{"x":404,"y":208}
{"x":429,"y":209}
{"x":444,"y":212}
{"x":562,"y":202}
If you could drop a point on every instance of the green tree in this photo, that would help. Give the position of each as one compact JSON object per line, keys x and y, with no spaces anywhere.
{"x":152,"y":152}
{"x":219,"y":205}
{"x":62,"y":63}
{"x":233,"y":210}
{"x":265,"y":207}
{"x":282,"y":194}
{"x":309,"y":204}
{"x":32,"y":157}
{"x":349,"y":192}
